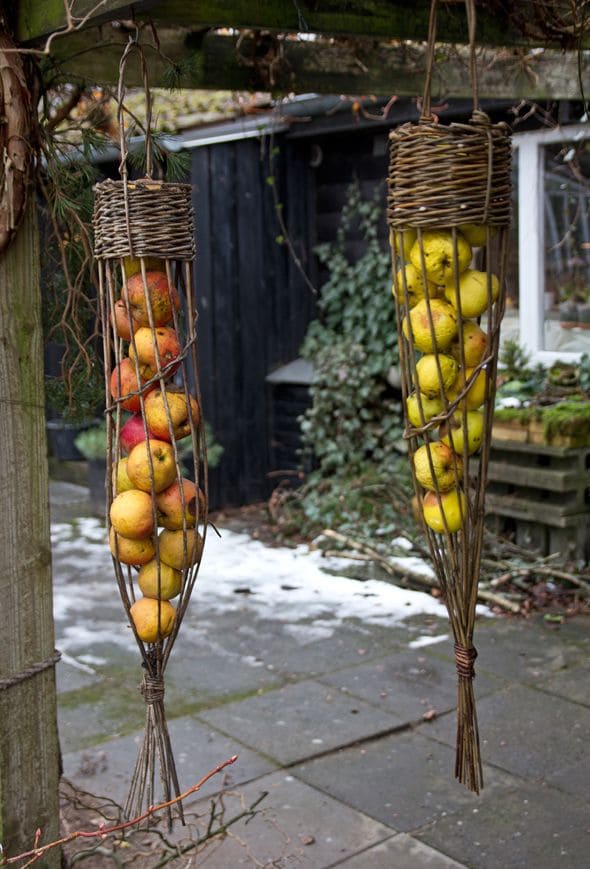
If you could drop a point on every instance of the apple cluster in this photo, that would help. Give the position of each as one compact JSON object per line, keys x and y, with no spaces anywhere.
{"x":441,"y":301}
{"x":149,"y":490}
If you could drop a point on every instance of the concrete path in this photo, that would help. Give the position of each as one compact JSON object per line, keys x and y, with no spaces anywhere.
{"x":346,"y":723}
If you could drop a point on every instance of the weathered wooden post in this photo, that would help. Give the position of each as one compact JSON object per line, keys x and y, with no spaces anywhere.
{"x":29,"y":749}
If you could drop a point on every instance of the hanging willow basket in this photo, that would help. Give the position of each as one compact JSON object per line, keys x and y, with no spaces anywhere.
{"x":156,"y":516}
{"x":449,"y":209}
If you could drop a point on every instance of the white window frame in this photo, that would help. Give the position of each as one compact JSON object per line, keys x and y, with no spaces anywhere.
{"x":531,"y":236}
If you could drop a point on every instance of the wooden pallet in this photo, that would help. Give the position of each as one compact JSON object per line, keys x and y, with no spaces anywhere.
{"x":540,"y":495}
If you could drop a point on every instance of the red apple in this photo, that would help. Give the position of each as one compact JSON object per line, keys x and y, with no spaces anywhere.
{"x":169,"y":505}
{"x":162,"y":297}
{"x":157,"y":420}
{"x":132,"y":433}
{"x":124,"y":382}
{"x":122,"y":327}
{"x":169,"y":349}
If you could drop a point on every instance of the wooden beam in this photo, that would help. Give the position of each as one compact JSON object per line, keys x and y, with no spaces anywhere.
{"x":29,"y":749}
{"x":382,"y":19}
{"x":326,"y":66}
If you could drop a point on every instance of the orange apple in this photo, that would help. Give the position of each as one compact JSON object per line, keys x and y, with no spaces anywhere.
{"x":130,"y":551}
{"x":172,"y":551}
{"x":160,"y":295}
{"x":163,"y":465}
{"x":169,"y":504}
{"x":169,"y":349}
{"x":155,"y":413}
{"x":153,"y":619}
{"x":131,"y":514}
{"x":124,"y":382}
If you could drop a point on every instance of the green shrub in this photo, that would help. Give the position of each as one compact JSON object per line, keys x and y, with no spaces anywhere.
{"x":352,"y":432}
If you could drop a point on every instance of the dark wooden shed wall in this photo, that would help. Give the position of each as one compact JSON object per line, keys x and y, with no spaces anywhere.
{"x":253,"y":304}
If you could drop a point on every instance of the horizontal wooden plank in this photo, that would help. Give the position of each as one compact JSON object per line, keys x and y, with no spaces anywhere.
{"x":548,"y":513}
{"x":539,"y":449}
{"x":535,"y":477}
{"x":322,"y":66}
{"x":403,"y":19}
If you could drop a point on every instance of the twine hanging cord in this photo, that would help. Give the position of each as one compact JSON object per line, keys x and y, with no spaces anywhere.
{"x":464,"y":661}
{"x":9,"y":681}
{"x":471,"y":27}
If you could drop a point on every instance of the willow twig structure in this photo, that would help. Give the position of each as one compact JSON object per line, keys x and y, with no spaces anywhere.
{"x":144,"y":244}
{"x":448,"y":210}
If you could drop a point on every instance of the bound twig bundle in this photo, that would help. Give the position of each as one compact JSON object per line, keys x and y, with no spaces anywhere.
{"x":144,"y":243}
{"x":448,"y":209}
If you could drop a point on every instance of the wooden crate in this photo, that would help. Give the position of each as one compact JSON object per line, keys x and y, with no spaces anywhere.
{"x":540,"y":495}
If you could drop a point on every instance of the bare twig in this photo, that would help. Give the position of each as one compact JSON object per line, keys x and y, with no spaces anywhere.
{"x":408,"y":575}
{"x":103,"y":831}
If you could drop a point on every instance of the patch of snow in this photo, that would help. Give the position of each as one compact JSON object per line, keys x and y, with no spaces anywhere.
{"x":427,"y":641}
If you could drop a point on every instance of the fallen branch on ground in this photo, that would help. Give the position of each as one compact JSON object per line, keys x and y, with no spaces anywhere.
{"x":404,"y":575}
{"x":103,"y":831}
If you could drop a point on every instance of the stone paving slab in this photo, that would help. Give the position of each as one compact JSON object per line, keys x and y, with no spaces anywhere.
{"x":409,"y":684}
{"x":405,"y":780}
{"x":106,"y":769}
{"x":530,"y":651}
{"x":534,"y":735}
{"x":571,"y":682}
{"x":297,"y":825}
{"x":527,"y":827}
{"x":299,"y":721}
{"x":401,"y":852}
{"x":293,"y":650}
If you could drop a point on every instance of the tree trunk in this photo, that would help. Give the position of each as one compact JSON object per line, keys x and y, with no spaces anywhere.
{"x":29,"y":749}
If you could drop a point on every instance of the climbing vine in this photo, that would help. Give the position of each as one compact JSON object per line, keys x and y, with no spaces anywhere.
{"x":352,"y":431}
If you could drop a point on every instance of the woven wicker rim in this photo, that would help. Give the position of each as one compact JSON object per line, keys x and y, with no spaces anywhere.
{"x":143,"y":218}
{"x":444,"y":176}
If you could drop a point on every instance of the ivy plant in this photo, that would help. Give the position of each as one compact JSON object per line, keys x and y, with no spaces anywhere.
{"x":352,"y":431}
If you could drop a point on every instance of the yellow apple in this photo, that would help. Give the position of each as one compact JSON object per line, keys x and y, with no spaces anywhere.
{"x":476,"y":394}
{"x":131,"y":514}
{"x":473,"y":297}
{"x":153,"y":619}
{"x":436,"y":374}
{"x":446,"y":515}
{"x":172,"y":552}
{"x":132,"y":265}
{"x":130,"y":551}
{"x":437,"y":467}
{"x":476,"y":233}
{"x":163,"y":587}
{"x":420,"y":408}
{"x":163,"y":465}
{"x":122,"y":481}
{"x":474,"y":345}
{"x":435,"y":252}
{"x":433,"y":325}
{"x":454,"y":430}
{"x":157,"y":420}
{"x":401,"y":241}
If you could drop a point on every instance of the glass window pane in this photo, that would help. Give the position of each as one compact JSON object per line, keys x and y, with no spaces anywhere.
{"x":567,"y":246}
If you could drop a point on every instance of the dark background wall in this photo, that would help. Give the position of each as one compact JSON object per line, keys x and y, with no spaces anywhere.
{"x":254,"y":306}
